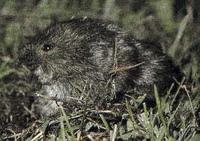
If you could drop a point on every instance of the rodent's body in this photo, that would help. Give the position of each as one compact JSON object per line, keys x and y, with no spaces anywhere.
{"x":89,"y":51}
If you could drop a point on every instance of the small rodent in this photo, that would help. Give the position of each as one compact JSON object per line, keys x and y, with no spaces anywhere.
{"x":85,"y":51}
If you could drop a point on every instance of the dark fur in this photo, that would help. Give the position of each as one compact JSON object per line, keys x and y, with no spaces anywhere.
{"x":83,"y":50}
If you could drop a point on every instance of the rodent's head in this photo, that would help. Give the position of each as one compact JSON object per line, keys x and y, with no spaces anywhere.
{"x":51,"y":52}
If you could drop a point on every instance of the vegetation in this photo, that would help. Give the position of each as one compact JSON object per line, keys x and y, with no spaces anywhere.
{"x":172,"y":24}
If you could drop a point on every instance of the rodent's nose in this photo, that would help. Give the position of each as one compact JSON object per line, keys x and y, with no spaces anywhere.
{"x":29,"y":59}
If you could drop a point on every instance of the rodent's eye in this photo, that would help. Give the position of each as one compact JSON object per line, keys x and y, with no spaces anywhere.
{"x":47,"y":47}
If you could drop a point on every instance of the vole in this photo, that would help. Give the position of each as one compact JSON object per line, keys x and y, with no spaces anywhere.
{"x":98,"y":55}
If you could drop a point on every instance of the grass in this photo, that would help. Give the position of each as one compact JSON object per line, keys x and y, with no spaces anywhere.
{"x":158,"y":124}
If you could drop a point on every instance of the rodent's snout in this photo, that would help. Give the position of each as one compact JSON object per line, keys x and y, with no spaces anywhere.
{"x":30,"y":59}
